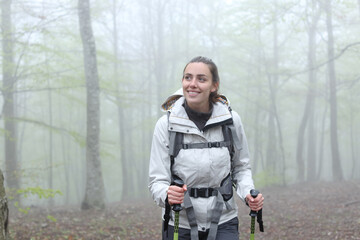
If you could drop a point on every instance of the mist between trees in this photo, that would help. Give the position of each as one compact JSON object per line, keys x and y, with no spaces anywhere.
{"x":82,"y":85}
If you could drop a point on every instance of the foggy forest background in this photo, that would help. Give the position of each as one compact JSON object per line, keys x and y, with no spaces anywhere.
{"x":291,"y":69}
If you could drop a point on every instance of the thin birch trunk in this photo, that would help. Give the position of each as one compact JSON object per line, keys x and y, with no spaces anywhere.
{"x":95,"y":190}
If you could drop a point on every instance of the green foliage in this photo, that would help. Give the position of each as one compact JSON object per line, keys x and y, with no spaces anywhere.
{"x":38,"y":191}
{"x":20,"y":209}
{"x":51,"y":218}
{"x":78,"y":138}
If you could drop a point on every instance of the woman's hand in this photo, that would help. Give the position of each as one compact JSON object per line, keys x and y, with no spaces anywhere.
{"x":176,"y":194}
{"x":255,"y":204}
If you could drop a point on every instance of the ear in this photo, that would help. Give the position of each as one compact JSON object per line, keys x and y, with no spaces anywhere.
{"x":215,"y":87}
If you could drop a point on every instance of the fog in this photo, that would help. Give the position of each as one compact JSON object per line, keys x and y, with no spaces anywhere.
{"x":289,"y":68}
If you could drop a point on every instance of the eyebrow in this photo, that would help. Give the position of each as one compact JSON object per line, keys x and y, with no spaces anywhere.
{"x":196,"y":74}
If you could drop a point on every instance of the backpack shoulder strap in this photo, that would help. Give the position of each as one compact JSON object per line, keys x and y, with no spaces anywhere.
{"x":175,"y":141}
{"x":235,"y":137}
{"x":230,"y":135}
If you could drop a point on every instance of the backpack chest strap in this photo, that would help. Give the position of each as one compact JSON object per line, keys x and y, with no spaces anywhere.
{"x":203,"y":145}
{"x":177,"y":139}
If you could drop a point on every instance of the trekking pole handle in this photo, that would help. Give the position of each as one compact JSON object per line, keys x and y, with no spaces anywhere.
{"x":179,"y":183}
{"x":254,"y":193}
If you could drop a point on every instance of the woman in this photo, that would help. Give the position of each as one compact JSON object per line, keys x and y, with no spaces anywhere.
{"x":204,"y":161}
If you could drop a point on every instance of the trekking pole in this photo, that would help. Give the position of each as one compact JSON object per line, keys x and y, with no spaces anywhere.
{"x":177,"y":208}
{"x":254,"y":193}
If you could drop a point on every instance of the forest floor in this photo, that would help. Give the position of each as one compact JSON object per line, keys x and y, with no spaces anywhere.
{"x":322,"y":210}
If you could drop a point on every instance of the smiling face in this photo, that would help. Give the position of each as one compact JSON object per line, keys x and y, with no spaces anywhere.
{"x":197,"y":85}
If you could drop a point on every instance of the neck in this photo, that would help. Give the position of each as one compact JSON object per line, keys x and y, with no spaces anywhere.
{"x":200,"y":110}
{"x":199,"y":118}
{"x":204,"y":108}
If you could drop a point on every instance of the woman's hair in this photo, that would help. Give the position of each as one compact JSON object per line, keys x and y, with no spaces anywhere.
{"x":214,"y":73}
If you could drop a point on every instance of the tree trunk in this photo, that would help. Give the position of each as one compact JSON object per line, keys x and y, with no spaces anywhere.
{"x":274,"y":120}
{"x":321,"y":147}
{"x":50,"y":174}
{"x":257,"y":142}
{"x":311,"y":147}
{"x":127,"y":183}
{"x":271,"y":152}
{"x":300,"y":146}
{"x":352,"y":144}
{"x":9,"y":111}
{"x":132,"y":162}
{"x":4,"y":211}
{"x":121,"y":120}
{"x":160,"y":66}
{"x":65,"y":149}
{"x":94,"y":190}
{"x":259,"y":94}
{"x":271,"y":149}
{"x":307,"y":121}
{"x":336,"y":163}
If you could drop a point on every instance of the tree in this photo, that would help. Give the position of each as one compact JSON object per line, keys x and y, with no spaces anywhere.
{"x":257,"y":135}
{"x":335,"y":153}
{"x":273,"y":78}
{"x":4,"y":211}
{"x":307,"y":121}
{"x":273,"y":118}
{"x":94,"y":190}
{"x":125,"y":133}
{"x":8,"y":112}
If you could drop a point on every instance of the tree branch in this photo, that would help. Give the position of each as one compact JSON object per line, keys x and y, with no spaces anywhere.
{"x":326,"y":62}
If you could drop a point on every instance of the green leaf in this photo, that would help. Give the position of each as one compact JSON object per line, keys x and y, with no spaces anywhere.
{"x":51,"y":218}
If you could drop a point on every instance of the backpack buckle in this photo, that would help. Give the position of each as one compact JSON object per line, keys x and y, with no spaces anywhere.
{"x":213,"y":144}
{"x":203,"y":192}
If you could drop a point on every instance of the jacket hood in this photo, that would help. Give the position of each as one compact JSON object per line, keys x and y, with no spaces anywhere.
{"x":170,"y":101}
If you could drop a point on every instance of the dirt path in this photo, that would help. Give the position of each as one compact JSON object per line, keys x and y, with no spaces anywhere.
{"x":309,"y":211}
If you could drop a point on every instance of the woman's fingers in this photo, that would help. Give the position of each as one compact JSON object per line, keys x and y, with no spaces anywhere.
{"x":257,"y":203}
{"x":176,"y":194}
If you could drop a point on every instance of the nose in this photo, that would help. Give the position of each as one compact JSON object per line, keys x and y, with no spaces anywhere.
{"x":193,"y":83}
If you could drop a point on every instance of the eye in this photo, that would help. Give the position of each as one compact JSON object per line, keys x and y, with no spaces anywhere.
{"x":202,"y":79}
{"x":187,"y":77}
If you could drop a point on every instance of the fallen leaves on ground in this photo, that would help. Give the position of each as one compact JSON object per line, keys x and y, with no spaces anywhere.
{"x":322,"y":210}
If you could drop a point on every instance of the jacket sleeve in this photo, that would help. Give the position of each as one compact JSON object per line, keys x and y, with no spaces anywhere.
{"x":159,"y":166}
{"x":241,"y":168}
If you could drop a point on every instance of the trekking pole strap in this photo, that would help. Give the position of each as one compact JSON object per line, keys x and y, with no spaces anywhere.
{"x":260,"y":221}
{"x":166,"y":215}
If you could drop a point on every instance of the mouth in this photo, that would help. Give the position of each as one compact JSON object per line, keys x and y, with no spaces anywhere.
{"x":193,"y":94}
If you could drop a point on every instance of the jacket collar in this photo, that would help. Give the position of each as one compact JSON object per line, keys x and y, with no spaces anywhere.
{"x":179,"y":120}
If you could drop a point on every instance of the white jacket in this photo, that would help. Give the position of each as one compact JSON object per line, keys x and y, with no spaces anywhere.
{"x":198,"y":168}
